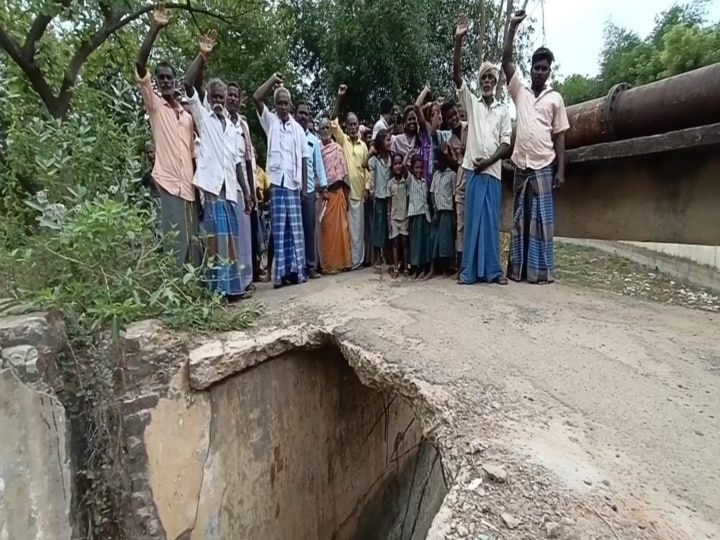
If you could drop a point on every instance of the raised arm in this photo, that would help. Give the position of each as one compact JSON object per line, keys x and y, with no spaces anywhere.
{"x":161,"y":18}
{"x":507,"y":55}
{"x":207,"y":43}
{"x":339,"y":102}
{"x":264,"y":91}
{"x":460,"y":33}
{"x":419,"y":102}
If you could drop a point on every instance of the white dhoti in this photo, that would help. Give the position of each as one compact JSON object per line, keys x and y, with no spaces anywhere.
{"x":356,"y":220}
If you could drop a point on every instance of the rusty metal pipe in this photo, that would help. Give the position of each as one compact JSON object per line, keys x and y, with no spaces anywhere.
{"x":688,"y":100}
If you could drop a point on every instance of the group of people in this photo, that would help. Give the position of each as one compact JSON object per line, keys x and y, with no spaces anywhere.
{"x":420,"y":192}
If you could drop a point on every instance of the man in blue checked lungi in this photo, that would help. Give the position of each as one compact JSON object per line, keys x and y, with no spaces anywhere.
{"x":539,"y":159}
{"x":219,"y":176}
{"x":488,"y":140}
{"x":287,"y":158}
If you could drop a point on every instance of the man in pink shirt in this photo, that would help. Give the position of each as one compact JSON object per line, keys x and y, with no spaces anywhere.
{"x":172,"y":129}
{"x":539,"y":159}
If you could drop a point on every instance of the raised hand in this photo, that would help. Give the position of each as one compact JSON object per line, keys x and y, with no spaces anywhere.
{"x":461,"y":29}
{"x":518,"y":18}
{"x":161,"y":15}
{"x":342,"y":90}
{"x":278,"y":78}
{"x":208,"y":42}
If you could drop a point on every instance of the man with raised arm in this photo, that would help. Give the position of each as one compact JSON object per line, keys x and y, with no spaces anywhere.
{"x":356,"y":156}
{"x":220,"y":176}
{"x":539,"y":159}
{"x":287,"y":158}
{"x":488,"y":140}
{"x":172,"y":129}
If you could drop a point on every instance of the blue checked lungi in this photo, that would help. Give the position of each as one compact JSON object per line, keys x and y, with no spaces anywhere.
{"x":288,"y":236}
{"x":531,"y":238}
{"x":223,"y":231}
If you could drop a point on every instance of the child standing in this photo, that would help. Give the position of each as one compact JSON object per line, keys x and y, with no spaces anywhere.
{"x":442,"y":231}
{"x":419,"y":219}
{"x":398,"y":215}
{"x":380,"y":166}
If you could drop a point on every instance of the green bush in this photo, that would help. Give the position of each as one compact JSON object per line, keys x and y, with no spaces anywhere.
{"x":84,"y":239}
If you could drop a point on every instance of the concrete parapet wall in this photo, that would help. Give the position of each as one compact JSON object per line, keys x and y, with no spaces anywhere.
{"x":682,"y":269}
{"x":36,"y":481}
{"x":707,"y":255}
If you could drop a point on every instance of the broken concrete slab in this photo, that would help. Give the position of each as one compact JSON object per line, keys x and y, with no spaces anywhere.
{"x":36,"y":479}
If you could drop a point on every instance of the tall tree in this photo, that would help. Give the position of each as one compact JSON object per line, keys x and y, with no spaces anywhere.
{"x":51,"y":40}
{"x":391,"y":49}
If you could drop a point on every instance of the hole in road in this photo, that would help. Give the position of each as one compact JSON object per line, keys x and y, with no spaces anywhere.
{"x":308,"y":451}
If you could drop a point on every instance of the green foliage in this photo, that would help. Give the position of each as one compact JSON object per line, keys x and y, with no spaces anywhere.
{"x":682,"y":40}
{"x":100,"y":261}
{"x":391,"y":49}
{"x":82,"y":235}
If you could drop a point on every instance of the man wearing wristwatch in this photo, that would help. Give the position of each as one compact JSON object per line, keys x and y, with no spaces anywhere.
{"x":316,"y":169}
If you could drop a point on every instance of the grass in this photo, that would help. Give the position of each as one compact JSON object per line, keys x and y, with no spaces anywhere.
{"x":581,"y":266}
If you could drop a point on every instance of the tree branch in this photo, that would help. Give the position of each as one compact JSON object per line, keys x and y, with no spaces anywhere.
{"x":33,"y":73}
{"x":111,"y":25}
{"x":38,"y":28}
{"x":114,"y":21}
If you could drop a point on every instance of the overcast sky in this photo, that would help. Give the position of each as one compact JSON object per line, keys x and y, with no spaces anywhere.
{"x":574,"y":28}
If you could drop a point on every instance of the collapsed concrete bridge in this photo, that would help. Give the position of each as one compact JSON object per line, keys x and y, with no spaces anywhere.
{"x":301,"y":433}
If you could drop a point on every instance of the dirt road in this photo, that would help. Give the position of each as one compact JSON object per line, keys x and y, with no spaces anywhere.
{"x":604,"y":410}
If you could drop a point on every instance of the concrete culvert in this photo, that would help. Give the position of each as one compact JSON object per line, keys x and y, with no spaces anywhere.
{"x":298,"y":447}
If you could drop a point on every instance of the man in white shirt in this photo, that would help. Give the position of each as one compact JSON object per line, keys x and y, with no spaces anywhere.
{"x":488,"y":140}
{"x":287,"y":158}
{"x":219,"y":176}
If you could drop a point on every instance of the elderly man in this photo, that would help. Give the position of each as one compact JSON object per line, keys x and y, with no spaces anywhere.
{"x":172,"y":129}
{"x":316,"y":169}
{"x":219,"y":175}
{"x":488,"y":140}
{"x":539,"y":159}
{"x":287,"y":167}
{"x":355,"y":155}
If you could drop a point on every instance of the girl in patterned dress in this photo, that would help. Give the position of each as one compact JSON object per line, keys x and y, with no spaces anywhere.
{"x":419,"y":219}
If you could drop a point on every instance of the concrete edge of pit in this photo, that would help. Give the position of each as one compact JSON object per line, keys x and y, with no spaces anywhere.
{"x":232,"y":353}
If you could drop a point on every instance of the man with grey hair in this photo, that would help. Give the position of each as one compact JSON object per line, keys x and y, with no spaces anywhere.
{"x":219,"y":175}
{"x":287,"y":167}
{"x":488,"y":140}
